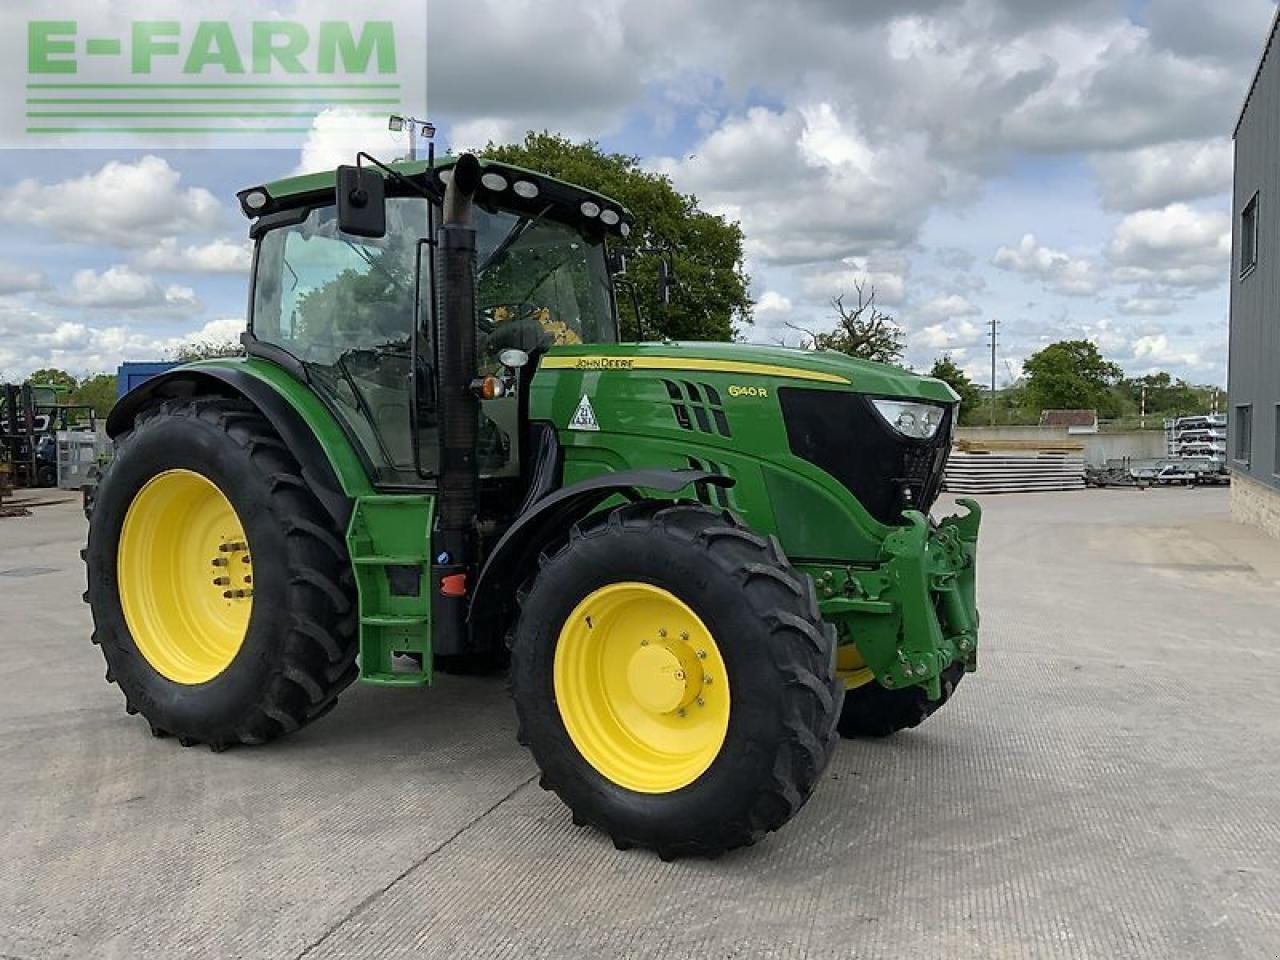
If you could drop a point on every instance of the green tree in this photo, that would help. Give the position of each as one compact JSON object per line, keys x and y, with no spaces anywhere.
{"x":52,"y":376}
{"x":863,"y":331}
{"x":1068,"y":375}
{"x":710,"y":298}
{"x":205,"y":350}
{"x":1165,"y":396}
{"x":945,"y":369}
{"x":98,"y":392}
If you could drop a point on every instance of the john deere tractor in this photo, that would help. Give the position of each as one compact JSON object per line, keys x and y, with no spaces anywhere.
{"x":701,"y":561}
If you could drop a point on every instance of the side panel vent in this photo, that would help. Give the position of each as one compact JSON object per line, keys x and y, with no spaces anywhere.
{"x":697,"y":406}
{"x":711,"y":495}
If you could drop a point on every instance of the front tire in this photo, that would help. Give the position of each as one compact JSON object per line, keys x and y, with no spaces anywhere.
{"x":221,"y":592}
{"x":876,"y":711}
{"x":674,"y":680}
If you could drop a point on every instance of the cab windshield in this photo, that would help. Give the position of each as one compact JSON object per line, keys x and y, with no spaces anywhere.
{"x":541,"y":283}
{"x":344,"y":307}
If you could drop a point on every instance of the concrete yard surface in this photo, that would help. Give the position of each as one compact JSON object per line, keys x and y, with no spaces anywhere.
{"x":1107,"y":785}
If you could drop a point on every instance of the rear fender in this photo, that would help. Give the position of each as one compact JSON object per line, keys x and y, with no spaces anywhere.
{"x":294,"y":430}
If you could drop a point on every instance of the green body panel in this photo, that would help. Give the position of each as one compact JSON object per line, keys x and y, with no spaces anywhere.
{"x":346,"y":463}
{"x":903,"y":594}
{"x":389,"y":539}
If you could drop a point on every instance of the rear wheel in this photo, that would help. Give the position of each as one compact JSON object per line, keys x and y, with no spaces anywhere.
{"x":871,"y":710}
{"x":221,"y":592}
{"x":674,"y":680}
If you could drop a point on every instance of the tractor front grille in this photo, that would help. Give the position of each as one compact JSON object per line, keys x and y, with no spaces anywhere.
{"x":843,"y":434}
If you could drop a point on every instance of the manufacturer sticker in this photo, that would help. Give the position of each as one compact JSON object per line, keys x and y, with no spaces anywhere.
{"x":584,"y":418}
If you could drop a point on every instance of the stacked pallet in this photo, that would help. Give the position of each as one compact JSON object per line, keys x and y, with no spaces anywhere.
{"x":1014,"y":466}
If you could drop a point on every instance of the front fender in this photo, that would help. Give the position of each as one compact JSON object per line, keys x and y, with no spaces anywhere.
{"x":549,"y":518}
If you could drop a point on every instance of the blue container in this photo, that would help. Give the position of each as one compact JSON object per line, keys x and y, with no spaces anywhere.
{"x":130,"y":375}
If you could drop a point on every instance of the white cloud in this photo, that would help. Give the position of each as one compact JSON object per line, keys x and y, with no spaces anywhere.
{"x":953,"y":305}
{"x":120,"y":205}
{"x":15,"y":278}
{"x":339,"y":133}
{"x":217,"y":256}
{"x":1159,"y":175}
{"x":32,"y":340}
{"x":1176,"y":246}
{"x":1146,"y":306}
{"x":122,"y":287}
{"x":885,"y":276}
{"x":809,"y":185}
{"x":1058,"y":271}
{"x":951,"y":337}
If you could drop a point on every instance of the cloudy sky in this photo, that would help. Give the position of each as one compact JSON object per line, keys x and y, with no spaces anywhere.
{"x":1063,"y":167}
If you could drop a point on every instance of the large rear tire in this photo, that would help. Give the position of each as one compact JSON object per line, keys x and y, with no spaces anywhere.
{"x":674,"y":680}
{"x":875,"y":711}
{"x":221,"y":592}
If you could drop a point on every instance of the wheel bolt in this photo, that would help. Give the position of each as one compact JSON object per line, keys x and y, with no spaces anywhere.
{"x":644,"y":643}
{"x":684,"y":636}
{"x":706,"y":679}
{"x":702,"y":654}
{"x":679,"y":674}
{"x":221,"y":581}
{"x":680,"y":712}
{"x":701,"y":702}
{"x":219,"y":561}
{"x":662,"y":632}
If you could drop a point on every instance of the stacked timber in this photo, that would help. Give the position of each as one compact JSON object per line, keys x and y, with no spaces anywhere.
{"x":1015,"y":466}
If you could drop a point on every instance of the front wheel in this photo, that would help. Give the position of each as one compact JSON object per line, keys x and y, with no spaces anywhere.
{"x":674,"y":680}
{"x":875,"y":711}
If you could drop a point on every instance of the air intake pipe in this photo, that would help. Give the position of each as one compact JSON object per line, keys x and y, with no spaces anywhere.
{"x":454,"y":542}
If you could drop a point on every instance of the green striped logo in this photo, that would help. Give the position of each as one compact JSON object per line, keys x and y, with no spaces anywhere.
{"x":188,"y":81}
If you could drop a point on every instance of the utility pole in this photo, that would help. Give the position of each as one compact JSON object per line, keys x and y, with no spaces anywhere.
{"x":994,"y":323}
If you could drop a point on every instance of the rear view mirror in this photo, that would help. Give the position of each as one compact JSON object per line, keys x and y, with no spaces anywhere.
{"x":362,"y":202}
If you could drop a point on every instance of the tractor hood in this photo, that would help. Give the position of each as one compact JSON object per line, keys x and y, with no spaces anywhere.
{"x":819,"y":367}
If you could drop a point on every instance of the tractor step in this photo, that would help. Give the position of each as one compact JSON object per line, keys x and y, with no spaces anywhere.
{"x":388,"y":540}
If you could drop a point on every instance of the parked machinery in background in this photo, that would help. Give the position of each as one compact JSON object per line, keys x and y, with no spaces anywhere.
{"x":31,"y":415}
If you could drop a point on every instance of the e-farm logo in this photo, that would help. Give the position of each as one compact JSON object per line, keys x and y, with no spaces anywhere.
{"x":206,"y":80}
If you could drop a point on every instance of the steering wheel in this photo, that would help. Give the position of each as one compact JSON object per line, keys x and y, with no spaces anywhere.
{"x":523,"y":331}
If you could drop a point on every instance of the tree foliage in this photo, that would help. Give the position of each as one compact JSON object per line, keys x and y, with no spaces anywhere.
{"x":1165,"y":396}
{"x":52,"y":376}
{"x":863,"y":331}
{"x":945,"y":369}
{"x":710,"y":299}
{"x":98,"y":392}
{"x":1070,"y":375}
{"x":206,"y":350}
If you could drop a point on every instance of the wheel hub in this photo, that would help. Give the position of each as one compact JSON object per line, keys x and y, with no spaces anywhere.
{"x":185,"y":576}
{"x":641,"y":687}
{"x":664,"y":678}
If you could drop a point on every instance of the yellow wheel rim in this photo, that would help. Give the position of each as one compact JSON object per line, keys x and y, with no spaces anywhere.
{"x":851,"y":668}
{"x":642,"y":688}
{"x":185,"y":576}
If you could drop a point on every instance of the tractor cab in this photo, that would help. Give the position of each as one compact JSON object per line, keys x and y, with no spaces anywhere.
{"x":354,"y":314}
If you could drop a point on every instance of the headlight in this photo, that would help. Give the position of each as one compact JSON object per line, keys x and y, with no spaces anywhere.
{"x":917,"y":420}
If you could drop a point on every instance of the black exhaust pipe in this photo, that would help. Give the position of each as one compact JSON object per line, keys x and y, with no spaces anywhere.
{"x":459,"y":476}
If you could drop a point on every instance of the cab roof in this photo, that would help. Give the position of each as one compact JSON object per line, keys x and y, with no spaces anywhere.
{"x":568,"y":197}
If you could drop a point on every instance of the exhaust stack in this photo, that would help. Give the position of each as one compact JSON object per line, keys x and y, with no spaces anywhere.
{"x":453,"y":568}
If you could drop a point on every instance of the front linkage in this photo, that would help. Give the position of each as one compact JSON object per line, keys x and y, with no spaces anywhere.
{"x":914,"y":613}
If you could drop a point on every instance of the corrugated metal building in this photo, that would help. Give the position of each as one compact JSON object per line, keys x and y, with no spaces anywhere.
{"x":1253,"y":439}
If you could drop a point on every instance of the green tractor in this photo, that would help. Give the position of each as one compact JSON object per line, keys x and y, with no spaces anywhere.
{"x":701,"y":561}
